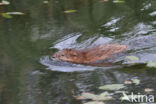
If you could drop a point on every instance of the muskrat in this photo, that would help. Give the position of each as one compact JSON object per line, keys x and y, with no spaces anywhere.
{"x":89,"y":55}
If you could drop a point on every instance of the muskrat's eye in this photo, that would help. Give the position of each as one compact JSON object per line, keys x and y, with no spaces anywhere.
{"x":62,"y":55}
{"x":74,"y":55}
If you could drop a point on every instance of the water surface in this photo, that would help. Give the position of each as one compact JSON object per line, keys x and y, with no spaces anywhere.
{"x":26,"y":42}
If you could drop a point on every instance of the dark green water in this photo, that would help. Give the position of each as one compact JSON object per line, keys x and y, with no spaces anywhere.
{"x":27,"y":40}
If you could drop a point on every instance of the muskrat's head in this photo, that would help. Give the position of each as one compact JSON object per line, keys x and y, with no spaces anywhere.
{"x":69,"y":55}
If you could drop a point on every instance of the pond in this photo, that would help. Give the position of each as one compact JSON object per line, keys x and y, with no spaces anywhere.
{"x":27,"y":74}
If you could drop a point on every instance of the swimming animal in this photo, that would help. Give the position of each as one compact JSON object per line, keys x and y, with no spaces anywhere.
{"x":89,"y":55}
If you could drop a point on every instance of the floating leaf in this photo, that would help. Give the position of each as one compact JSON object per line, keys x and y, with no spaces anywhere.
{"x":103,"y":97}
{"x":136,"y":81}
{"x":15,"y":13}
{"x":80,"y":97}
{"x":132,"y":58}
{"x":88,"y":95}
{"x":148,"y":90}
{"x":4,"y":2}
{"x":119,"y":1}
{"x":70,"y":11}
{"x":128,"y":82}
{"x":105,"y":94}
{"x":112,"y":87}
{"x":45,"y":2}
{"x":94,"y":102}
{"x":104,"y":0}
{"x":5,"y":15}
{"x":118,"y":92}
{"x":151,"y":64}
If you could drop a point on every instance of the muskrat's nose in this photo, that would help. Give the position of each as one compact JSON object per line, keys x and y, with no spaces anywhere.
{"x":53,"y":57}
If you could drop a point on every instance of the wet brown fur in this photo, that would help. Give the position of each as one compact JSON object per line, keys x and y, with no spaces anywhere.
{"x":89,"y":55}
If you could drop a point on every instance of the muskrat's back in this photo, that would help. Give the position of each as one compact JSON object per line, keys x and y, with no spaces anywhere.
{"x":91,"y":55}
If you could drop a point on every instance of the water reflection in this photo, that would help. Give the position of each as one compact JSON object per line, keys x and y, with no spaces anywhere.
{"x":69,"y":85}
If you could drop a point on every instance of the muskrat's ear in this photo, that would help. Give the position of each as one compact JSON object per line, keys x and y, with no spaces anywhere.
{"x":74,"y":54}
{"x":68,"y":49}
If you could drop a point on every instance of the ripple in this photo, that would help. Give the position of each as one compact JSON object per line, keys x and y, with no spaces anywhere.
{"x":153,"y":13}
{"x":63,"y":66}
{"x":70,"y":41}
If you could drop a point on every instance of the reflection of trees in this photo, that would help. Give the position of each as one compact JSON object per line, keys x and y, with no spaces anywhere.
{"x":18,"y":56}
{"x":91,"y":15}
{"x":60,"y":88}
